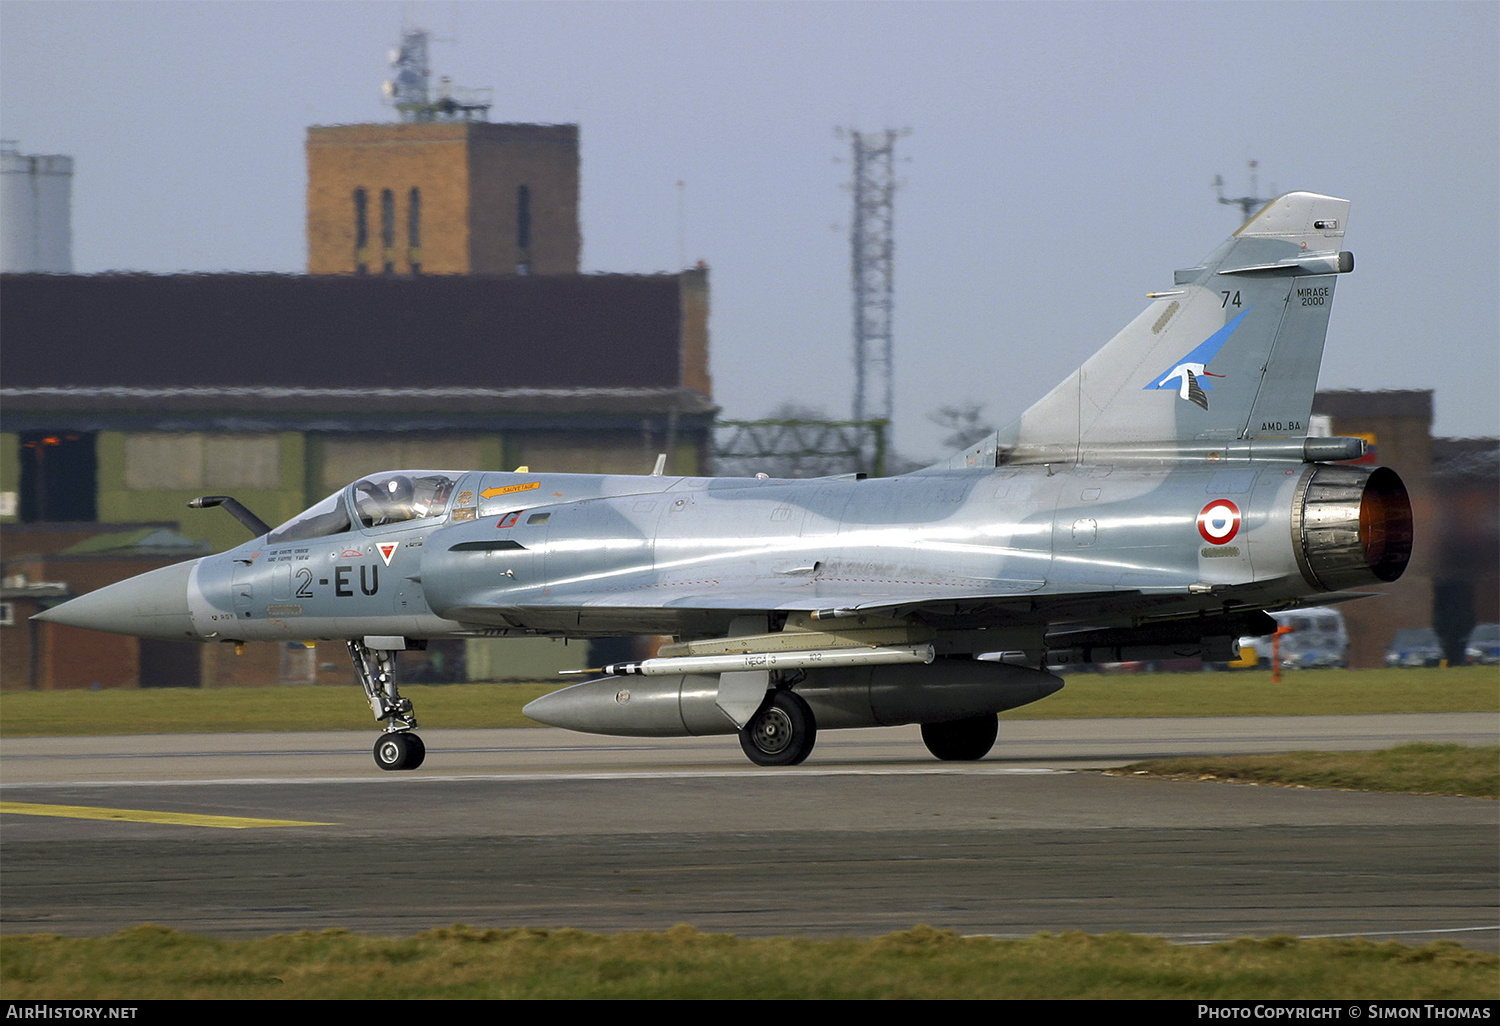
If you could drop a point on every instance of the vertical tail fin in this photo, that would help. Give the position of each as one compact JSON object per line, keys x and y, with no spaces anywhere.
{"x":1229,"y":353}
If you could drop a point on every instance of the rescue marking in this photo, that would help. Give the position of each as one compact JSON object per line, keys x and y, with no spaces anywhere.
{"x":490,"y":493}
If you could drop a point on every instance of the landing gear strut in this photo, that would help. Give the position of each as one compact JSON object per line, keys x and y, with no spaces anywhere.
{"x":398,"y":748}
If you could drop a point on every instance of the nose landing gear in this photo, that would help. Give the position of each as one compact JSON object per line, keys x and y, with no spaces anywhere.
{"x":399,"y":748}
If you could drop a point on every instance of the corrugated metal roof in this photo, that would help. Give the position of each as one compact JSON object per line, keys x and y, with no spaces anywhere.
{"x":272,"y":408}
{"x":303,"y":332}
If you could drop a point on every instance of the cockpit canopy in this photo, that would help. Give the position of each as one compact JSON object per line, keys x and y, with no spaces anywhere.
{"x":402,"y":495}
{"x":379,"y":500}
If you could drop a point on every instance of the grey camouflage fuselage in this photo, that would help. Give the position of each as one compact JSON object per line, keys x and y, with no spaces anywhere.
{"x":1154,"y":504}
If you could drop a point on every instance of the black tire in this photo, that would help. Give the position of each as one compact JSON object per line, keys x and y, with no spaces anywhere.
{"x":962,"y":740}
{"x":401,"y":750}
{"x":781,"y":733}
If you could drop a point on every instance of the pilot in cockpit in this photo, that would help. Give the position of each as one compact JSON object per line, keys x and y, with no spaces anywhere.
{"x":397,"y":498}
{"x":386,"y":501}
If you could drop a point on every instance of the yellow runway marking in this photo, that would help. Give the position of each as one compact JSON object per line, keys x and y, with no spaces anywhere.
{"x":147,"y":816}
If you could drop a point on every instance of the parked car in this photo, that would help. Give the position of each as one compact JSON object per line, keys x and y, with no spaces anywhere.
{"x":1415,"y":646}
{"x":1318,"y":638}
{"x":1484,"y":644}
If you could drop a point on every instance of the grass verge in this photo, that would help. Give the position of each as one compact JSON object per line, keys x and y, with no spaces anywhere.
{"x":288,"y":707}
{"x":1087,"y":695}
{"x":1409,"y":769}
{"x":1252,"y":693}
{"x":152,"y":962}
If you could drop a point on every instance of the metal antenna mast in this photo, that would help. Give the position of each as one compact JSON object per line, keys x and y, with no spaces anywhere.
{"x":409,"y":91}
{"x":1247,"y":204}
{"x":872,"y":242}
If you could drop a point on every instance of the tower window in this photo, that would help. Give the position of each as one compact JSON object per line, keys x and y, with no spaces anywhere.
{"x":523,"y":229}
{"x":361,"y":231}
{"x":414,"y":230}
{"x":387,"y":230}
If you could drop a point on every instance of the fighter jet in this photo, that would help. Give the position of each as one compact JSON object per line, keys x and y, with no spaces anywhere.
{"x":1124,"y":516}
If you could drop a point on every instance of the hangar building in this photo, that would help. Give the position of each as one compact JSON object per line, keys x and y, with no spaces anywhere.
{"x":443,"y":324}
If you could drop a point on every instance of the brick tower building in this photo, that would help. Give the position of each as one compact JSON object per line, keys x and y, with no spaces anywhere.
{"x":461,"y":197}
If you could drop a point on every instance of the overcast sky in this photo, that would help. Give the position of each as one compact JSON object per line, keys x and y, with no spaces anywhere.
{"x":1058,"y":167}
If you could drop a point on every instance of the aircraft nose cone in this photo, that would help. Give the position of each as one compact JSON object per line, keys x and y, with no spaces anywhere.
{"x":153,"y":605}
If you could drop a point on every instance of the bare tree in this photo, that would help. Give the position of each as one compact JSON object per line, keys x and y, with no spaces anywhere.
{"x":964,"y":423}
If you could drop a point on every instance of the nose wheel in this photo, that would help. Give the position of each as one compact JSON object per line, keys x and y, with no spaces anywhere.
{"x":398,"y":748}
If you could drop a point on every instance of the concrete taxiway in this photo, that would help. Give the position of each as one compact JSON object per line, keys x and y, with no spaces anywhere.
{"x":549,"y":828}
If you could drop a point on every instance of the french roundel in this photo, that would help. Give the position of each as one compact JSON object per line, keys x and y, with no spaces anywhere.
{"x":1219,"y":522}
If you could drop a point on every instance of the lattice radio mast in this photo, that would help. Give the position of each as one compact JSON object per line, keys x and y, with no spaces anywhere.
{"x":872,"y":243}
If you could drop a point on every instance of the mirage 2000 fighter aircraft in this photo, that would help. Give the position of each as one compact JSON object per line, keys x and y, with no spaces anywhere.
{"x":1153,"y":505}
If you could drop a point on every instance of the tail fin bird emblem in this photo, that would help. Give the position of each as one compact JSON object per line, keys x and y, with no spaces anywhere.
{"x":1189,"y":373}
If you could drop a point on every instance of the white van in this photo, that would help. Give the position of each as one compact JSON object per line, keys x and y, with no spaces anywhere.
{"x":1318,"y":638}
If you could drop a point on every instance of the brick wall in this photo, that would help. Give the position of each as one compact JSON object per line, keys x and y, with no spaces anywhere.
{"x":1398,"y":423}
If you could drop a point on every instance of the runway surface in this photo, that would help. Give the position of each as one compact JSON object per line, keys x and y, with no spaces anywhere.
{"x":548,"y":828}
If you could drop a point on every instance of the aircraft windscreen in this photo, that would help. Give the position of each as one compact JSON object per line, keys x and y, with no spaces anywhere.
{"x":399,"y":496}
{"x":328,"y":517}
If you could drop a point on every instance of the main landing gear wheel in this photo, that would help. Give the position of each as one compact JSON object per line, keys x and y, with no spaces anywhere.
{"x":399,"y":750}
{"x":781,"y":733}
{"x":962,"y":740}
